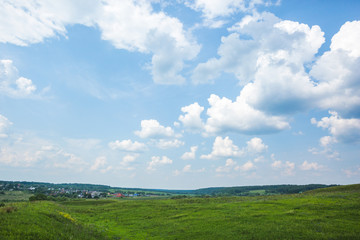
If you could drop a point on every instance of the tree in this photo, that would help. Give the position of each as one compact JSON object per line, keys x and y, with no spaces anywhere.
{"x":38,"y":196}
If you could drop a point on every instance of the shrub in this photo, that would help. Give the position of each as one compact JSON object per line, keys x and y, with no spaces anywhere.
{"x":179,"y":197}
{"x":38,"y":196}
{"x":10,"y":209}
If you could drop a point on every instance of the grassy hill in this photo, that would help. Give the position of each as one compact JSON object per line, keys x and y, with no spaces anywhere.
{"x":329,"y":213}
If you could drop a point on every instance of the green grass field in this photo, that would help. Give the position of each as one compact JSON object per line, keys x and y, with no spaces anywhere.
{"x":12,"y":196}
{"x":331,"y":213}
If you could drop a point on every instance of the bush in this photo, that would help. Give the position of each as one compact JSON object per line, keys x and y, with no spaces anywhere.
{"x":38,"y":196}
{"x":179,"y":197}
{"x":2,"y":204}
{"x":10,"y":209}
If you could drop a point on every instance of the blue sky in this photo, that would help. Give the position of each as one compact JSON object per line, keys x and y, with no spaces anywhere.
{"x":180,"y":94}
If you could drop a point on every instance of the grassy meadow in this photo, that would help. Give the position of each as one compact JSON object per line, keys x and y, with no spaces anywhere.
{"x":329,"y":213}
{"x":13,"y":196}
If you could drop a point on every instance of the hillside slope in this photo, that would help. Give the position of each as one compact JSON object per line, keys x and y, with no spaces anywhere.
{"x":331,"y":213}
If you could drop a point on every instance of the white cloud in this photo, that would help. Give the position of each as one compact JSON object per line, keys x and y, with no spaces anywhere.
{"x":214,"y":11}
{"x":343,"y":130}
{"x":225,"y":115}
{"x":231,"y":165}
{"x":226,"y":148}
{"x":132,"y":25}
{"x":327,"y":140}
{"x":286,"y":168}
{"x":310,"y":166}
{"x":190,"y":155}
{"x":99,"y":163}
{"x":18,"y":157}
{"x":223,"y":147}
{"x":191,"y":119}
{"x":347,"y":39}
{"x":188,"y":169}
{"x":268,"y":35}
{"x":60,"y":158}
{"x":351,"y":173}
{"x":152,"y":129}
{"x":27,"y":22}
{"x":256,"y":145}
{"x":11,"y":84}
{"x":280,"y":83}
{"x":127,"y":161}
{"x":165,"y":144}
{"x":157,"y":161}
{"x":337,"y":72}
{"x":246,"y":166}
{"x":129,"y":158}
{"x":259,"y":159}
{"x":128,"y":145}
{"x":4,"y":125}
{"x":270,"y":56}
{"x":31,"y":151}
{"x":289,"y":168}
{"x":276,"y":164}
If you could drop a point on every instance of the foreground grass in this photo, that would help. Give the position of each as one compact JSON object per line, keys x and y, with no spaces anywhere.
{"x":13,"y":196}
{"x":319,"y":214}
{"x":42,"y":220}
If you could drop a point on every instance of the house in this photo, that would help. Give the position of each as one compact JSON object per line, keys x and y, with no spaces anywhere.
{"x":120,"y":195}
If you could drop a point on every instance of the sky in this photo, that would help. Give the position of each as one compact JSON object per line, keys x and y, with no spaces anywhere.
{"x":180,"y":94}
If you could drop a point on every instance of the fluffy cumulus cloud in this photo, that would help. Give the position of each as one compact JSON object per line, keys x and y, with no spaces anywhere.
{"x":271,"y":58}
{"x":286,"y":168}
{"x":270,"y":63}
{"x":149,"y":32}
{"x":327,"y":140}
{"x":223,"y":147}
{"x":11,"y":84}
{"x":231,"y":165}
{"x":190,"y":155}
{"x":310,"y":166}
{"x":343,"y":130}
{"x":337,"y":72}
{"x":100,"y":165}
{"x":152,"y":129}
{"x":226,"y":115}
{"x":158,"y":161}
{"x":4,"y":125}
{"x":28,"y":22}
{"x":256,"y":146}
{"x":214,"y":11}
{"x":128,"y":145}
{"x":130,"y":24}
{"x":246,"y":166}
{"x":191,"y":118}
{"x":259,"y":40}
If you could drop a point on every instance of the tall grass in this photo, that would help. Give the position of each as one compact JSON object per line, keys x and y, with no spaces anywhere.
{"x":319,"y":214}
{"x":41,"y":220}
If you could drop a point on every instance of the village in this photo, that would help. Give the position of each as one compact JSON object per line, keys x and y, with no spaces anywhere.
{"x":70,"y":191}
